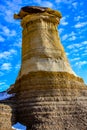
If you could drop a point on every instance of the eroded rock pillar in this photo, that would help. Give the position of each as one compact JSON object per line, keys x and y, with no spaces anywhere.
{"x":47,"y":89}
{"x":41,"y":47}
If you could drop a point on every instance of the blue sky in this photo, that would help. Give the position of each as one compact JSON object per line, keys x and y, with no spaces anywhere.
{"x":72,"y":31}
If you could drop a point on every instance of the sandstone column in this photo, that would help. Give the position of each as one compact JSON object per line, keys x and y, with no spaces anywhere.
{"x":41,"y":47}
{"x":48,"y":92}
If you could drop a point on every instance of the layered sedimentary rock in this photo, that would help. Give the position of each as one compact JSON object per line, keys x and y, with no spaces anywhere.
{"x":7,"y":112}
{"x":50,"y":96}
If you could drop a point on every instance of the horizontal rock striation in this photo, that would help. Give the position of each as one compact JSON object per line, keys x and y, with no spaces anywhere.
{"x":51,"y":100}
{"x":7,"y":113}
{"x":37,"y":80}
{"x":48,"y":93}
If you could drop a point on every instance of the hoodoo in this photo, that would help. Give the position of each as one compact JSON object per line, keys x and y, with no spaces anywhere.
{"x":48,"y":93}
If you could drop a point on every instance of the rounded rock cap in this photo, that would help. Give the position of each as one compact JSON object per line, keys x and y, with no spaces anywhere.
{"x":27,"y":10}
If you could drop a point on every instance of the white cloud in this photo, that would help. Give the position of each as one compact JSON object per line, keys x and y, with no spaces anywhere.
{"x":11,"y":4}
{"x":6,"y":31}
{"x":14,"y":6}
{"x":75,"y":4}
{"x":80,"y":24}
{"x":72,"y":34}
{"x":6,"y":66}
{"x":81,"y":48}
{"x":75,"y":59}
{"x":64,"y":37}
{"x":67,"y":53}
{"x":74,"y":46}
{"x":72,"y":38}
{"x":44,"y":3}
{"x":8,"y":54}
{"x":12,"y":51}
{"x":77,"y":18}
{"x":37,"y":1}
{"x":2,"y":39}
{"x":84,"y":53}
{"x":9,"y":16}
{"x":76,"y":54}
{"x":2,"y":83}
{"x":84,"y":43}
{"x":58,"y":1}
{"x":63,"y":1}
{"x":60,"y":30}
{"x":18,"y":43}
{"x":63,"y":21}
{"x":9,"y":8}
{"x":47,"y":4}
{"x":17,"y":66}
{"x":75,"y":51}
{"x":80,"y":63}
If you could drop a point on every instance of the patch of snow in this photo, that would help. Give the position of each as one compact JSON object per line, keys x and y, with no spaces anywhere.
{"x":5,"y":95}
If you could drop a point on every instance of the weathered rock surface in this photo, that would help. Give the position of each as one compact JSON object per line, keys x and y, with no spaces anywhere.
{"x":7,"y":113}
{"x":49,"y":95}
{"x":42,"y":50}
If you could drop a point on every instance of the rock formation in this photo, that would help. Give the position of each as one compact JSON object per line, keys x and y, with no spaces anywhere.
{"x":7,"y":111}
{"x":49,"y":95}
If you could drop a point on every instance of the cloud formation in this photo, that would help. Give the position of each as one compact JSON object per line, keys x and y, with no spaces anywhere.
{"x":80,"y":24}
{"x":5,"y":31}
{"x":63,"y":21}
{"x":6,"y":66}
{"x":8,"y":54}
{"x":2,"y":39}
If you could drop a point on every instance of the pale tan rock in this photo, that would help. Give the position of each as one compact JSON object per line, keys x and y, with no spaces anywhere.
{"x":42,"y":49}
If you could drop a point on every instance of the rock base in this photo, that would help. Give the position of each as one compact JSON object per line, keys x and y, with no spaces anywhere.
{"x":52,"y":101}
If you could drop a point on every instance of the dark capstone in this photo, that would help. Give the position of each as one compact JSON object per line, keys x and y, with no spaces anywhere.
{"x":33,"y":9}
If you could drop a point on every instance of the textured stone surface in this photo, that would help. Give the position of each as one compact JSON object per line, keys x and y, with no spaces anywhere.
{"x":49,"y":95}
{"x":42,"y":50}
{"x":52,"y":100}
{"x":35,"y":10}
{"x":7,"y":113}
